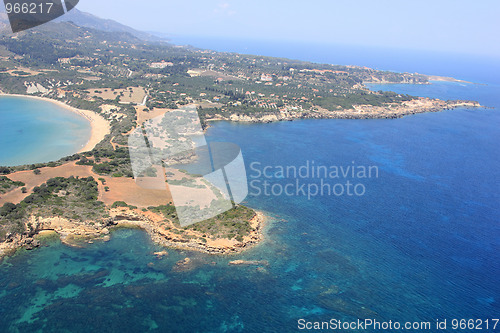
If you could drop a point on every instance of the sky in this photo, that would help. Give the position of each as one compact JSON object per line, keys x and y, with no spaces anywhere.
{"x":455,"y":26}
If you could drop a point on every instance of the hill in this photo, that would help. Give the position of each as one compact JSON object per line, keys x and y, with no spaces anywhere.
{"x":88,"y":20}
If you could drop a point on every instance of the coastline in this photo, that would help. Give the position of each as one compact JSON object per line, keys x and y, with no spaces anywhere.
{"x":77,"y":233}
{"x":430,"y":78}
{"x":438,"y":78}
{"x":388,"y":111}
{"x":165,"y":237}
{"x":80,"y":233}
{"x":99,"y":127}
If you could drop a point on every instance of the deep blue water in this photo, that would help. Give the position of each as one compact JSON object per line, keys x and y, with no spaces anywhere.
{"x":34,"y":131}
{"x":423,"y":242}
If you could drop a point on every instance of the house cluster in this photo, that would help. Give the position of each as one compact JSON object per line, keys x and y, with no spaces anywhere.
{"x":162,"y":64}
{"x":68,"y":60}
{"x":266,"y":77}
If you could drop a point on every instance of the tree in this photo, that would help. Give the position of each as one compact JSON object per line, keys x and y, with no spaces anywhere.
{"x":37,"y":171}
{"x":4,"y":170}
{"x":7,"y":209}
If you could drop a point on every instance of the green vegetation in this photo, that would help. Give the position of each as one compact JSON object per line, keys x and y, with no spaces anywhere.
{"x":7,"y":185}
{"x":71,"y":198}
{"x":168,"y":211}
{"x":186,"y":182}
{"x":21,"y":73}
{"x":234,"y":223}
{"x":118,"y":164}
{"x":117,"y":204}
{"x":73,"y":62}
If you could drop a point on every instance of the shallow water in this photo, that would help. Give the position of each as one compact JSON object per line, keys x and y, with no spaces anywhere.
{"x":34,"y":131}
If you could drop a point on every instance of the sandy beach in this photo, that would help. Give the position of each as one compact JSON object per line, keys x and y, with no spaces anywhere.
{"x":99,"y":126}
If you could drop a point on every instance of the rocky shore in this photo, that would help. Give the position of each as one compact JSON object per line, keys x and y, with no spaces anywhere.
{"x":166,"y":234}
{"x":78,"y":233}
{"x":387,"y":111}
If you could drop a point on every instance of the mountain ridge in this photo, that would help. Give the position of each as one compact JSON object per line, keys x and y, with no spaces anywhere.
{"x":87,"y":20}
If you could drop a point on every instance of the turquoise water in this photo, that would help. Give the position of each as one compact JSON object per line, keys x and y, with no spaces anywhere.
{"x":423,"y":242}
{"x":35,"y":131}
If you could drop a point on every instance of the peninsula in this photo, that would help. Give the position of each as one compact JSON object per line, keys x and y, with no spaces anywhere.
{"x":118,"y":81}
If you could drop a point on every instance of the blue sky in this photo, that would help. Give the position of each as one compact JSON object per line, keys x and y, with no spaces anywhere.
{"x":438,"y":25}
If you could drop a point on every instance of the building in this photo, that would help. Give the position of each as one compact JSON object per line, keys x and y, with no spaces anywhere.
{"x":160,"y":65}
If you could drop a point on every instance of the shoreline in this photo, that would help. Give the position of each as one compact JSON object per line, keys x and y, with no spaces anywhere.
{"x":389,"y":111}
{"x":126,"y":218}
{"x":430,"y":78}
{"x":438,"y":78}
{"x":99,"y":127}
{"x":82,"y":233}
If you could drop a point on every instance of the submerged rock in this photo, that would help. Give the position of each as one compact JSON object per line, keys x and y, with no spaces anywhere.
{"x":31,"y":244}
{"x":249,"y":262}
{"x":161,"y":254}
{"x":183,"y":265}
{"x":346,"y":306}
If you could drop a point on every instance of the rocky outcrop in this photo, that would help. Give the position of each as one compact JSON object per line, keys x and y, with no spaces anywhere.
{"x":183,"y":265}
{"x":264,"y":118}
{"x":215,"y":246}
{"x":16,"y":241}
{"x":74,"y":233}
{"x":71,"y":232}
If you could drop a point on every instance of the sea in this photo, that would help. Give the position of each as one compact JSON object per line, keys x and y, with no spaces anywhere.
{"x":37,"y":131}
{"x":415,"y":242}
